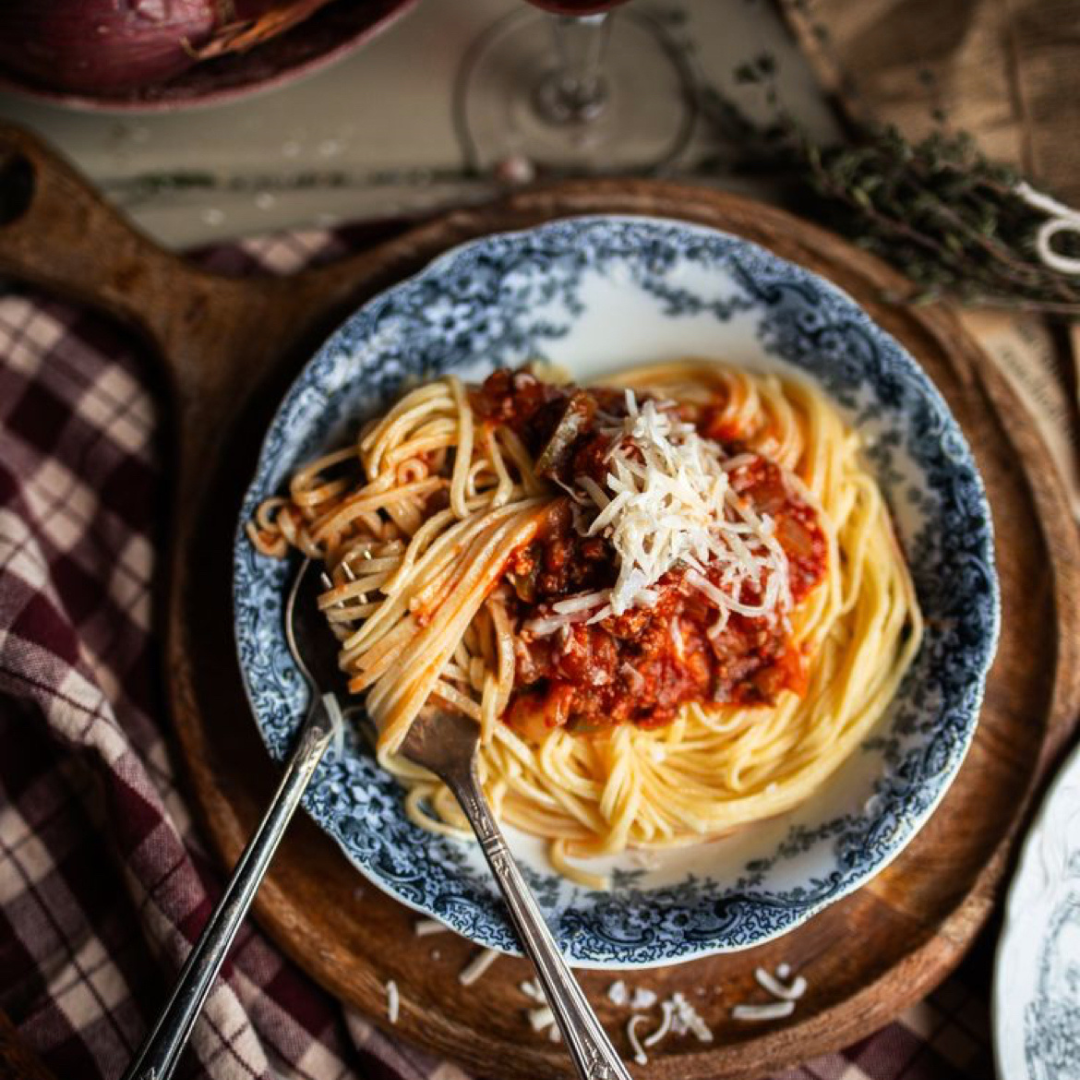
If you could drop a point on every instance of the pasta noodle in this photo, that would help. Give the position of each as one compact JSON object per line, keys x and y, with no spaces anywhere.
{"x":420,"y":522}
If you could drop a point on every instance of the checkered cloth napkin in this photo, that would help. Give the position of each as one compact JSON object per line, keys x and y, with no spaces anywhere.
{"x":104,"y":881}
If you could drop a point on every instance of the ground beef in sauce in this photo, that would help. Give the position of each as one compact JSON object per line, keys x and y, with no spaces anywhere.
{"x":639,"y":667}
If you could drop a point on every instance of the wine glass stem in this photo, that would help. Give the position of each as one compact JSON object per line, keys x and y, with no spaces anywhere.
{"x":574,"y":91}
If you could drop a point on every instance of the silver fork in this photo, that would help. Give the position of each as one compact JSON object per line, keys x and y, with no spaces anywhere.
{"x":157,"y":1057}
{"x":446,"y":743}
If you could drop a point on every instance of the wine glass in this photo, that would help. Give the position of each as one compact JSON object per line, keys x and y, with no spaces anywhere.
{"x":574,"y":88}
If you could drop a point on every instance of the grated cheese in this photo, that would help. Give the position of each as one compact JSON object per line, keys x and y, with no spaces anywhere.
{"x":633,"y":677}
{"x":774,"y":986}
{"x":477,"y":966}
{"x":581,"y":602}
{"x":617,"y":994}
{"x":540,"y":1018}
{"x":393,"y":1002}
{"x":427,"y":927}
{"x":667,"y":502}
{"x":774,"y":1010}
{"x":665,"y":1026}
{"x":685,"y":1018}
{"x":631,"y":1033}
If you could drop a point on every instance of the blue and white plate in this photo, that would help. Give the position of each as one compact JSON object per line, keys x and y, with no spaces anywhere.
{"x":1036,"y":1003}
{"x":594,"y":294}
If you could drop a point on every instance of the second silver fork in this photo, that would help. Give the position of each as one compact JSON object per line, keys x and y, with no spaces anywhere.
{"x":446,"y":743}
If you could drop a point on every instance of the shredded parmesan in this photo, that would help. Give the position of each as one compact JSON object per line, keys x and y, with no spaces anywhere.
{"x":685,"y":1018}
{"x":665,"y":1025}
{"x":774,"y":1010}
{"x":541,"y":1018}
{"x":427,"y":927}
{"x":548,"y":624}
{"x":531,"y":989}
{"x":631,"y":1033}
{"x":393,"y":1001}
{"x":641,"y":998}
{"x":477,"y":966}
{"x":677,"y":1015}
{"x":581,"y":602}
{"x":780,"y":990}
{"x":633,"y":677}
{"x":667,"y":502}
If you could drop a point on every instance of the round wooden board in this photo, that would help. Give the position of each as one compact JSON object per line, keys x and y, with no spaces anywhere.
{"x":230,"y":348}
{"x":912,"y":923}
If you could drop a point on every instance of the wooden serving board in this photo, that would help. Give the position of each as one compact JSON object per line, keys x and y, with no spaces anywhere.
{"x":228,"y":349}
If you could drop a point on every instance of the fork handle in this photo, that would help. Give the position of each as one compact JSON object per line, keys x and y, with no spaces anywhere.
{"x":160,"y":1051}
{"x":593,"y":1054}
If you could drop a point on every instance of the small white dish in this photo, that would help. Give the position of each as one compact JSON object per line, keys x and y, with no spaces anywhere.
{"x":1036,"y":1001}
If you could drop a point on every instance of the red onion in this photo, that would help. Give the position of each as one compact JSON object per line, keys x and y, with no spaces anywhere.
{"x":103,"y":47}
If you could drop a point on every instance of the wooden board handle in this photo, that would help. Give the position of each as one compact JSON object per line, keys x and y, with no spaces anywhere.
{"x":213,"y":335}
{"x":58,"y":234}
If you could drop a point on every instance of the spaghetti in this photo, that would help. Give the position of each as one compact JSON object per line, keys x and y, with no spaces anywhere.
{"x":674,"y":604}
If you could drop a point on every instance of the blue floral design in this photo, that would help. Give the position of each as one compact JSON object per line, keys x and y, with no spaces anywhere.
{"x":512,"y":297}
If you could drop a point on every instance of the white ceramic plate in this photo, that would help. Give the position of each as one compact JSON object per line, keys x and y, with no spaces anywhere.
{"x":593,"y":294}
{"x":1036,"y":1003}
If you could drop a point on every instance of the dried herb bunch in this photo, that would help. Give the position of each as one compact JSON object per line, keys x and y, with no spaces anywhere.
{"x":938,"y":210}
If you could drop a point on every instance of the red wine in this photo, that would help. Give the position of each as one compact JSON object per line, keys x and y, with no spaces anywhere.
{"x":576,"y":7}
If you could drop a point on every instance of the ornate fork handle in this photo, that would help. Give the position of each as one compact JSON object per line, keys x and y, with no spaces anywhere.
{"x":160,"y":1051}
{"x":587,"y":1041}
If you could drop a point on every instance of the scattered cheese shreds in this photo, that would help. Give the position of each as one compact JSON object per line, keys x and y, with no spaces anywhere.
{"x":667,"y":502}
{"x":677,"y":1015}
{"x":477,"y":966}
{"x":540,"y":1018}
{"x":640,"y":998}
{"x":393,"y":1001}
{"x":778,"y":989}
{"x":581,"y":602}
{"x":685,"y":1018}
{"x":783,"y":970}
{"x":631,"y":1033}
{"x":426,"y":927}
{"x":665,"y":1025}
{"x":774,"y":1010}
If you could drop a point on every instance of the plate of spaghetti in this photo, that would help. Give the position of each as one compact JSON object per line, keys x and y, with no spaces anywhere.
{"x":669,"y":518}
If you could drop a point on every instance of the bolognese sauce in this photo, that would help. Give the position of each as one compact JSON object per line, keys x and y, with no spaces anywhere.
{"x":639,"y":666}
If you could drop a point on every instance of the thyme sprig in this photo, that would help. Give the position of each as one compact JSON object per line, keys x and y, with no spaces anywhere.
{"x":937,"y":209}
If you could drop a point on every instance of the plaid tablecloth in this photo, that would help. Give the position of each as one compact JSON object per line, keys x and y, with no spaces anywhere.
{"x":104,"y":882}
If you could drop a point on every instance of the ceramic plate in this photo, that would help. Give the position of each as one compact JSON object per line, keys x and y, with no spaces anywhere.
{"x":594,"y":294}
{"x":1036,"y":1001}
{"x":329,"y":35}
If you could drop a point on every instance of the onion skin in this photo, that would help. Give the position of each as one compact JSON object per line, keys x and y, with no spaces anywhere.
{"x":106,"y":47}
